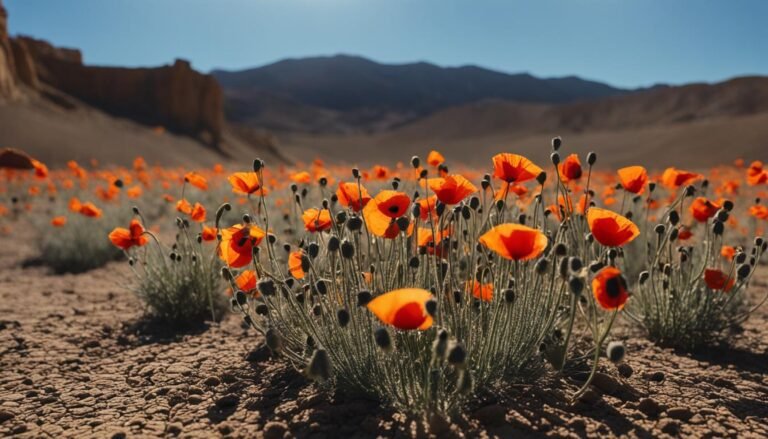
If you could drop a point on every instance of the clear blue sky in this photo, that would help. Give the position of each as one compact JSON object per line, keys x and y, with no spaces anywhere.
{"x":623,"y":42}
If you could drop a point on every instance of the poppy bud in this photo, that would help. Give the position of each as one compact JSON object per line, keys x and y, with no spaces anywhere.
{"x":274,"y":340}
{"x":439,"y":208}
{"x":299,"y":297}
{"x":555,"y":157}
{"x":317,"y":310}
{"x":596,"y":266}
{"x":591,"y":158}
{"x":395,"y":184}
{"x":262,"y":309}
{"x":457,"y":355}
{"x":560,"y":249}
{"x":615,"y":351}
{"x":440,"y":344}
{"x":402,"y":223}
{"x":563,"y":268}
{"x":722,"y":215}
{"x":556,"y":143}
{"x":363,"y":297}
{"x":266,"y":286}
{"x":382,"y":339}
{"x":415,"y":162}
{"x":321,"y":286}
{"x":509,"y":295}
{"x":718,"y":227}
{"x":541,"y":178}
{"x":319,"y":368}
{"x":589,"y":237}
{"x":294,"y":188}
{"x":576,"y":285}
{"x":705,"y":183}
{"x":323,"y":181}
{"x":673,"y":234}
{"x":660,"y":229}
{"x":247,"y":320}
{"x":343,"y":316}
{"x":741,"y":257}
{"x":118,"y":183}
{"x":542,"y":265}
{"x":759,"y":241}
{"x":347,"y":249}
{"x":226,"y":274}
{"x":431,"y":307}
{"x":333,"y":243}
{"x":485,"y":184}
{"x":575,"y":263}
{"x":355,"y":223}
{"x":612,"y":253}
{"x":674,"y":217}
{"x":690,"y":190}
{"x":643,"y":277}
{"x":743,"y":271}
{"x":457,"y":296}
{"x":241,"y":298}
{"x":313,"y":249}
{"x":474,"y":203}
{"x":355,"y":173}
{"x":465,"y":212}
{"x":521,"y":219}
{"x":728,"y":205}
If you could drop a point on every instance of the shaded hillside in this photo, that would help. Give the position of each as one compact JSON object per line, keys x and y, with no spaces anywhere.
{"x":344,"y":93}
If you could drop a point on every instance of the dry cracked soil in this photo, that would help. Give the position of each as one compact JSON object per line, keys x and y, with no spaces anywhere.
{"x":77,"y":361}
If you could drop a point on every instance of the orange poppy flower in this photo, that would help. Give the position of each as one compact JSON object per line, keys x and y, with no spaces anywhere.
{"x":127,"y":238}
{"x":294,"y":264}
{"x":610,"y":289}
{"x":90,"y":210}
{"x":237,"y":244}
{"x":352,"y":195}
{"x":515,"y":241}
{"x":317,"y":220}
{"x":196,"y":180}
{"x":246,"y":281}
{"x":75,"y":204}
{"x":756,"y":175}
{"x":433,"y":244}
{"x":435,"y":158}
{"x":168,"y":198}
{"x":717,"y":280}
{"x":703,"y":209}
{"x":684,"y":233}
{"x":673,"y":178}
{"x":610,"y":228}
{"x":404,"y":308}
{"x":633,"y":179}
{"x":133,"y":192}
{"x":198,"y":213}
{"x":427,"y":207}
{"x":184,"y":206}
{"x":728,"y":252}
{"x":514,"y":168}
{"x":452,"y":189}
{"x":245,"y":183}
{"x":41,"y":171}
{"x":570,"y":168}
{"x":759,"y":211}
{"x":59,"y":221}
{"x":301,"y":177}
{"x":208,"y":233}
{"x":380,"y":172}
{"x":480,"y":291}
{"x":507,"y":188}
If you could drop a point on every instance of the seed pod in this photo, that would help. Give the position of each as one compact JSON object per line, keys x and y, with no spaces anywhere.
{"x":555,"y":157}
{"x":347,"y":249}
{"x":257,"y":165}
{"x":556,"y":143}
{"x":266,"y":286}
{"x":674,"y":217}
{"x":333,"y":244}
{"x":741,"y":257}
{"x":317,"y":310}
{"x":414,"y":262}
{"x":402,"y":223}
{"x":615,"y":351}
{"x":509,"y":295}
{"x":591,"y":158}
{"x":363,"y":297}
{"x":474,"y":203}
{"x":690,"y":191}
{"x":319,"y":368}
{"x":575,"y":264}
{"x":576,"y":285}
{"x":355,"y":173}
{"x":439,"y":208}
{"x":241,"y":298}
{"x":589,"y":237}
{"x":542,"y":265}
{"x":466,"y":213}
{"x":485,"y":184}
{"x":382,"y":339}
{"x":262,"y":309}
{"x":561,"y":249}
{"x":457,"y":296}
{"x":596,"y":266}
{"x":722,"y":215}
{"x":226,"y":274}
{"x":341,"y":217}
{"x":415,"y":162}
{"x":659,"y":229}
{"x":743,"y":271}
{"x":643,"y":277}
{"x":431,"y":307}
{"x":313,"y":250}
{"x":541,"y":178}
{"x":457,"y":355}
{"x":343,"y":316}
{"x":718,"y":227}
{"x":355,"y":223}
{"x":274,"y":340}
{"x":440,"y":345}
{"x":321,"y":286}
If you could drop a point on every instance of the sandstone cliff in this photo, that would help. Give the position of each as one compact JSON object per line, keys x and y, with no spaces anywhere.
{"x":8,"y":89}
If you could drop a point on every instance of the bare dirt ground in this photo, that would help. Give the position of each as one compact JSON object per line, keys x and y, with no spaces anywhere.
{"x":76,"y":361}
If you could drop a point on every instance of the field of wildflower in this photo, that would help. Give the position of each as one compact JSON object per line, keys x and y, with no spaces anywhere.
{"x":538,"y":296}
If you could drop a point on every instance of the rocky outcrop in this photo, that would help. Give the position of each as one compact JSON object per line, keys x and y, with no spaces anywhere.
{"x":8,"y":89}
{"x":176,"y":97}
{"x":26,"y":72}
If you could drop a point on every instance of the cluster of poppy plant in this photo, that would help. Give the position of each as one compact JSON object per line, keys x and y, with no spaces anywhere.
{"x":434,"y":286}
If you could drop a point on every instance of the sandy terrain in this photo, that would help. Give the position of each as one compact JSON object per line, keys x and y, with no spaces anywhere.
{"x":76,"y":361}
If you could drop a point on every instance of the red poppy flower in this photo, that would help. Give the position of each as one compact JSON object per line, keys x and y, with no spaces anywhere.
{"x":756,"y":175}
{"x":570,"y":168}
{"x":404,"y":309}
{"x":633,"y":179}
{"x":452,"y":189}
{"x":480,"y":291}
{"x":427,"y":207}
{"x":507,"y":188}
{"x":59,"y":221}
{"x":610,"y":289}
{"x":514,"y":168}
{"x":674,"y":178}
{"x":380,"y":212}
{"x":703,"y":209}
{"x":759,"y":211}
{"x":237,"y":244}
{"x":295,"y":264}
{"x":317,"y":220}
{"x":515,"y":241}
{"x":433,"y":244}
{"x":198,"y":213}
{"x":90,"y":210}
{"x":184,"y":206}
{"x":196,"y":180}
{"x":610,"y":228}
{"x":41,"y":171}
{"x":717,"y":280}
{"x":208,"y":233}
{"x":352,"y":195}
{"x":127,"y":238}
{"x":246,"y":282}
